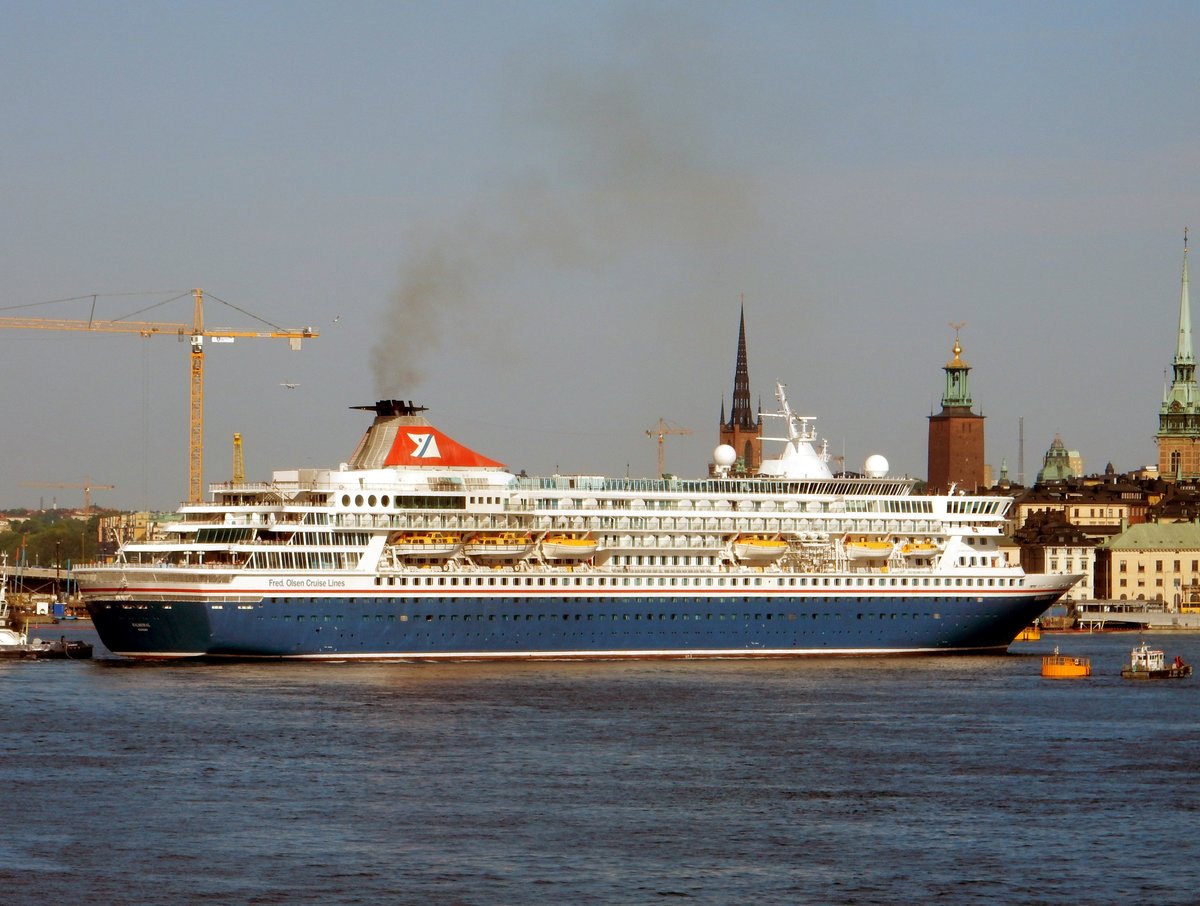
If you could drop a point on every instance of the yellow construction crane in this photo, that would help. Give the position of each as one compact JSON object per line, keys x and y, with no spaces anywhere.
{"x":239,"y":464}
{"x":195,"y":334}
{"x":661,"y":430}
{"x":86,"y":484}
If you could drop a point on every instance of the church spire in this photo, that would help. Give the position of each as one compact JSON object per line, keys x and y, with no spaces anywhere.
{"x":1178,"y":434}
{"x":743,"y":431}
{"x":1183,"y":351}
{"x":742,"y":415}
{"x":1183,"y":390}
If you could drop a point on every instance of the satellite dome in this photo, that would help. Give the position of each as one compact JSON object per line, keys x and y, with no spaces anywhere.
{"x":876,"y":467}
{"x":724,"y":456}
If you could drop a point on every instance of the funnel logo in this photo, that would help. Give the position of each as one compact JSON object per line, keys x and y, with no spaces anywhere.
{"x":424,"y":446}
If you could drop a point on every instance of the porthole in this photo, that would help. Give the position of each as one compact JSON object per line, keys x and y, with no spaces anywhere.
{"x":358,"y":500}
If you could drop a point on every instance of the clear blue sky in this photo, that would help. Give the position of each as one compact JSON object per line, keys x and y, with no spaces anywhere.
{"x":538,"y":218}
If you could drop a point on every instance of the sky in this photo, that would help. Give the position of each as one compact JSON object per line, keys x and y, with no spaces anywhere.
{"x":542,"y":219}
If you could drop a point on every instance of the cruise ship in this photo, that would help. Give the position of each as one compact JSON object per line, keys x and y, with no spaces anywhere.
{"x":420,"y":548}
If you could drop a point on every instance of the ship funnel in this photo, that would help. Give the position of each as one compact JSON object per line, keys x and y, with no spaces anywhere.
{"x":385,"y":408}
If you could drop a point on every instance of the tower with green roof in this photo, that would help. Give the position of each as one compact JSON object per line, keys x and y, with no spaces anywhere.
{"x":1178,"y":434}
{"x":956,"y":454}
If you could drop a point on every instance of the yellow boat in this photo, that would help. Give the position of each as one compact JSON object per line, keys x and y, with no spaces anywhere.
{"x":862,"y":549}
{"x":567,"y":547}
{"x":499,"y":545}
{"x":427,"y":544}
{"x":1062,"y":666}
{"x":759,"y":548}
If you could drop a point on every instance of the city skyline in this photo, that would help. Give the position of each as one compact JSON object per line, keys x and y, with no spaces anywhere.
{"x":541,"y":222}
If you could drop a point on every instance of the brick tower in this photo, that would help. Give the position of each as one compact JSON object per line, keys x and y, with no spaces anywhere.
{"x":743,"y":431}
{"x":1178,"y":434}
{"x":956,"y":433}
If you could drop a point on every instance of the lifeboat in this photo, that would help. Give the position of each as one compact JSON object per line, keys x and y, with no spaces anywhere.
{"x":759,"y":548}
{"x":567,"y":547}
{"x":499,"y":545}
{"x":431,"y":545}
{"x":919,"y":549}
{"x":862,"y":549}
{"x":1063,"y":666}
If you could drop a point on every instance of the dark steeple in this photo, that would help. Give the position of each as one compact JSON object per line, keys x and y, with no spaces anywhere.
{"x":742,"y":415}
{"x":743,"y":431}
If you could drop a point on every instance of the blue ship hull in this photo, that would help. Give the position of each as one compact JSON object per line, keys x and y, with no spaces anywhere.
{"x":644,"y":625}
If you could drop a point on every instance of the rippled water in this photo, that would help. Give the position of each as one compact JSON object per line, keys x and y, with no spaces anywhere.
{"x":959,"y":780}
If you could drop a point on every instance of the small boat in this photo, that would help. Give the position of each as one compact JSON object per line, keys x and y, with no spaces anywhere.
{"x":37,"y":650}
{"x":759,"y":548}
{"x":433,"y":545}
{"x":1151,"y":663}
{"x":499,"y":545}
{"x":15,"y":643}
{"x":1062,"y":666}
{"x":862,"y":549}
{"x":567,"y":547}
{"x":919,"y":549}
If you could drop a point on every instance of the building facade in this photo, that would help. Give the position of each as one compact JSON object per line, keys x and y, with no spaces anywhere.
{"x":1151,"y":562}
{"x":1048,"y":544}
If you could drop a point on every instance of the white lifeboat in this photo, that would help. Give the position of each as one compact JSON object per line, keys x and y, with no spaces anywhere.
{"x":759,"y":548}
{"x":499,"y":545}
{"x":568,"y":547}
{"x":428,"y":545}
{"x":864,"y":549}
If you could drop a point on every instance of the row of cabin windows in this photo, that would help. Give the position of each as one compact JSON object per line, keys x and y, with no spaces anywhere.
{"x":575,"y":582}
{"x":589,"y":617}
{"x":412,"y":501}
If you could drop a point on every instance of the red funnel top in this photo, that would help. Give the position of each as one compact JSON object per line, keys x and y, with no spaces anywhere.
{"x":425,"y":445}
{"x":401,"y":437}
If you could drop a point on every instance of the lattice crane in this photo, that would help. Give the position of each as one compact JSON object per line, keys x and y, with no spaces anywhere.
{"x":239,"y":463}
{"x":86,"y":484}
{"x":195,"y":333}
{"x":661,"y":430}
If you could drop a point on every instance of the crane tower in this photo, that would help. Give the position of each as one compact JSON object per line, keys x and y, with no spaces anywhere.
{"x":196,"y":334}
{"x":661,"y":430}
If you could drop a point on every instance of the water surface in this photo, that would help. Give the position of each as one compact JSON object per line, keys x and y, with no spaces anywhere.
{"x":959,"y":780}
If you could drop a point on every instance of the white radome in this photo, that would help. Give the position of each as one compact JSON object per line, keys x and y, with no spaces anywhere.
{"x":724,"y":456}
{"x":877,"y":466}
